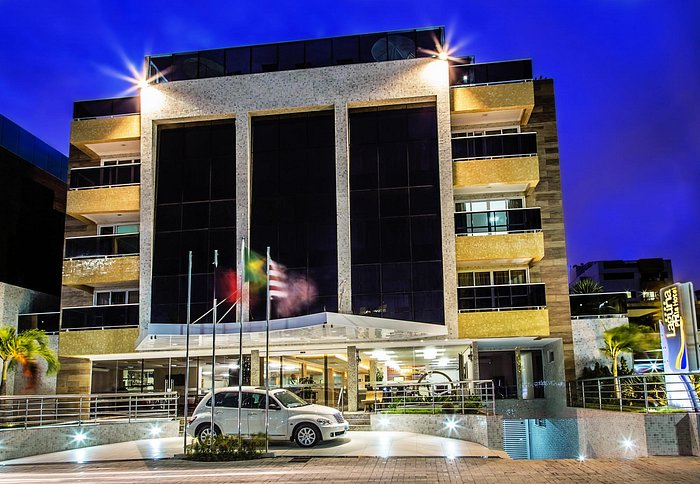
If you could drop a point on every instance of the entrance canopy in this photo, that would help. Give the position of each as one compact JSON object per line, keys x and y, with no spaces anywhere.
{"x":313,"y":329}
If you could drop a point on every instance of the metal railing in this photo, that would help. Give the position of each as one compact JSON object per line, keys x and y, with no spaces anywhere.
{"x":107,"y":316}
{"x":111,"y":245}
{"x":513,"y":220}
{"x":501,"y":297}
{"x":494,"y":146}
{"x":105,"y":176}
{"x":647,"y":392}
{"x":21,"y":412}
{"x":465,"y":396}
{"x":490,"y":73}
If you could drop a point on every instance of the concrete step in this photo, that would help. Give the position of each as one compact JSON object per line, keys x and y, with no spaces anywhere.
{"x":360,"y":428}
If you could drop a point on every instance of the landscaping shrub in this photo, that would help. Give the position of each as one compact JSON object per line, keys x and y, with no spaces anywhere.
{"x":226,"y":448}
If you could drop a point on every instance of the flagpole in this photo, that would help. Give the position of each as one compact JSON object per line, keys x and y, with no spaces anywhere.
{"x":241,"y":281}
{"x":267,"y":353}
{"x":187,"y":346}
{"x":213,"y":346}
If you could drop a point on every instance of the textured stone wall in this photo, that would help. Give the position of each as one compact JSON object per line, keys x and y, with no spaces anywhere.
{"x":43,"y":384}
{"x":75,"y":376}
{"x":23,"y":443}
{"x":104,"y":271}
{"x":482,"y":429}
{"x":552,"y":269}
{"x":339,"y":88}
{"x":588,"y":339}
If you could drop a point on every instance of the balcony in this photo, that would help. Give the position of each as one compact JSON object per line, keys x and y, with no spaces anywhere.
{"x":503,"y":324}
{"x":105,"y":176}
{"x":106,"y":127}
{"x":92,"y":317}
{"x":48,"y":322}
{"x":492,"y":93}
{"x":501,"y":297}
{"x":599,"y":305}
{"x":512,"y":236}
{"x":101,"y":108}
{"x":99,"y":272}
{"x":490,"y":73}
{"x":495,"y":163}
{"x":102,"y":246}
{"x":91,"y":205}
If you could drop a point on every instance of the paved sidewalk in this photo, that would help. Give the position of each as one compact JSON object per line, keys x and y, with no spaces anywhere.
{"x":366,"y":469}
{"x":357,"y":444}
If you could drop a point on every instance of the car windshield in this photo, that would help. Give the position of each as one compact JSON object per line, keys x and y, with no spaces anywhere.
{"x":290,"y":400}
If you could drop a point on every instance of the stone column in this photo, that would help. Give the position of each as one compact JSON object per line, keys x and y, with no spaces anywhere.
{"x":342,"y":187}
{"x":518,"y":374}
{"x":255,"y":373}
{"x":352,"y":378}
{"x":243,"y":161}
{"x":373,"y":373}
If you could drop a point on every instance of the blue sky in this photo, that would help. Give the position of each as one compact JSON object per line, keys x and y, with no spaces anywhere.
{"x":626,"y":77}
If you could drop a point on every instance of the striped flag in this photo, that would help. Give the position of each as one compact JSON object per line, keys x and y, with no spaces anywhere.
{"x":278,"y":281}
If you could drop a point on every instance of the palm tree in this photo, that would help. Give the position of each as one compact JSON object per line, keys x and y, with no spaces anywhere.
{"x":626,"y":339}
{"x":24,"y":348}
{"x":586,"y":285}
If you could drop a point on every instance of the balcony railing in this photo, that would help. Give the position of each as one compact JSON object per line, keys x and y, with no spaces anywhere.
{"x":501,"y":297}
{"x":353,"y":49}
{"x":105,"y":176}
{"x":101,"y":108}
{"x":91,"y":317}
{"x":490,"y":73}
{"x":102,"y":246}
{"x":48,"y":322}
{"x":494,"y":146}
{"x":601,"y":305}
{"x":512,"y":220}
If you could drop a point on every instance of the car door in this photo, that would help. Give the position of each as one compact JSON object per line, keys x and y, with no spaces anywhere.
{"x":256,"y":416}
{"x":226,"y":413}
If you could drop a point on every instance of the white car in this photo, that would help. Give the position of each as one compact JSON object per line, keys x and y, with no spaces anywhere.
{"x":291,"y":418}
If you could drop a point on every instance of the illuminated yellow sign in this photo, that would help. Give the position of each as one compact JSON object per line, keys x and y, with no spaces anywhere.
{"x":671,"y":311}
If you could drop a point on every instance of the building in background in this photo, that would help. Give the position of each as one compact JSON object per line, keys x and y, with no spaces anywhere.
{"x":414,"y":201}
{"x":32,"y":210}
{"x":641,"y":278}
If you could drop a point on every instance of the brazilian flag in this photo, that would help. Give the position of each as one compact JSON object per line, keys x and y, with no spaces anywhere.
{"x":255,"y":269}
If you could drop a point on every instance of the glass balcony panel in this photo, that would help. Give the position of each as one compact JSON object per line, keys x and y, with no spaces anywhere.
{"x":102,"y":246}
{"x":494,"y":146}
{"x":105,"y":176}
{"x":598,"y":305}
{"x":500,"y":221}
{"x":509,"y":71}
{"x":48,"y":322}
{"x":124,"y":315}
{"x":515,"y":296}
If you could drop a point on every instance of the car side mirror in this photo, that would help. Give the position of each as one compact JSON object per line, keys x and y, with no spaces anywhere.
{"x":274,"y":406}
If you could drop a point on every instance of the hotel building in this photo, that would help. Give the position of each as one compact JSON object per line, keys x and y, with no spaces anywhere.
{"x":415,"y":199}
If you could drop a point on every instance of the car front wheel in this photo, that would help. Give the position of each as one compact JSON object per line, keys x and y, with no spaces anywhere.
{"x":307,"y":435}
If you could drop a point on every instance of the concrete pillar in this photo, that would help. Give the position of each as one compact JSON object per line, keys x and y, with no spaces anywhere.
{"x":243,"y":157}
{"x":342,"y":184}
{"x":255,"y":368}
{"x":518,"y":373}
{"x":327,"y":382}
{"x":352,"y":378}
{"x":373,"y":373}
{"x":527,"y":384}
{"x":75,"y":376}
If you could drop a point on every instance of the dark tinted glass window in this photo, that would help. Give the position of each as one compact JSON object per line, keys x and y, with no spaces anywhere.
{"x":395,"y":214}
{"x":291,"y":56}
{"x":211,"y":63}
{"x":318,"y":53}
{"x":195,"y":210}
{"x":346,"y":50}
{"x":264,"y":58}
{"x":238,"y":61}
{"x":293,"y":207}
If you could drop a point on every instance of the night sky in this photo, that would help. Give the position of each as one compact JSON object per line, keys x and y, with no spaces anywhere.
{"x":627,"y":79}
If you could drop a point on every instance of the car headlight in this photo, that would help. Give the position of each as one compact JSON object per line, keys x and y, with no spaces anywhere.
{"x":323,"y":421}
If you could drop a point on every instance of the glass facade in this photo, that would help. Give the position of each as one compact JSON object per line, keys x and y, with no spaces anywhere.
{"x":195,"y":210}
{"x":293,"y":208}
{"x":395,"y":214}
{"x":378,"y":47}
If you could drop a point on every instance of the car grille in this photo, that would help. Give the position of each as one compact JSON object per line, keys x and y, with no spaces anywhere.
{"x":338,"y":418}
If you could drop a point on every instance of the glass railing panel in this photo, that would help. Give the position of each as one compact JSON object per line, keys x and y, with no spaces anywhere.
{"x":48,"y":322}
{"x":598,"y":305}
{"x":100,"y":316}
{"x":102,"y":246}
{"x":498,"y":221}
{"x":105,"y":176}
{"x":494,"y":146}
{"x":353,"y":49}
{"x":514,"y":296}
{"x":99,"y":108}
{"x":492,"y":72}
